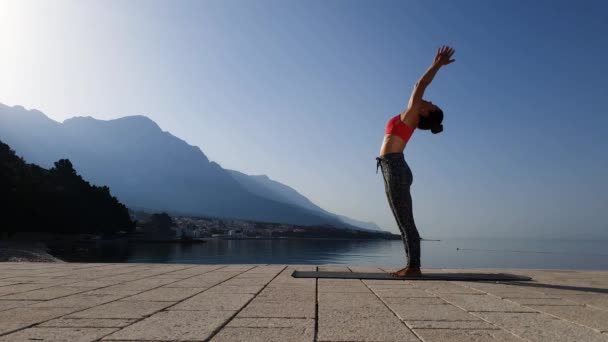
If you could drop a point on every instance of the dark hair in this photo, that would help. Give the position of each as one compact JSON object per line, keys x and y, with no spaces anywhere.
{"x":432,"y":121}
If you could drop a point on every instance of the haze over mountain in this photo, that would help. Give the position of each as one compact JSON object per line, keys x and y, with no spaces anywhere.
{"x":146,"y":167}
{"x":268,"y":188}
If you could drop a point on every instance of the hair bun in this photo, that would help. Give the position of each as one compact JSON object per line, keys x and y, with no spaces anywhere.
{"x":437,"y":129}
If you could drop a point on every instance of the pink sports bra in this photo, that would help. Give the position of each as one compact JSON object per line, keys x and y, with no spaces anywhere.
{"x":397,"y":127}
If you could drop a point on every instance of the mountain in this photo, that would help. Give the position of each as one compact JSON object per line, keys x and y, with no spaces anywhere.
{"x":265,"y":187}
{"x":146,"y":167}
{"x":360,"y":224}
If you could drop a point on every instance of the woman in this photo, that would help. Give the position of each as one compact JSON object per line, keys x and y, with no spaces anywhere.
{"x":395,"y":171}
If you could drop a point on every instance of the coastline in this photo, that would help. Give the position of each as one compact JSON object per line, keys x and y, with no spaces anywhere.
{"x":34,"y":247}
{"x":25,"y":251}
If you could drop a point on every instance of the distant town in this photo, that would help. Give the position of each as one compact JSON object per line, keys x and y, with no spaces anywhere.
{"x":195,"y":228}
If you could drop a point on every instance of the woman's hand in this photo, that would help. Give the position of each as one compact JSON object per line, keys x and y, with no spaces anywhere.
{"x":444,"y":55}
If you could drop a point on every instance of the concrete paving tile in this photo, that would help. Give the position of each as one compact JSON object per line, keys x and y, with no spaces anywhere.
{"x":94,"y":284}
{"x":267,"y":329}
{"x":278,"y":309}
{"x":563,"y":292}
{"x":265,"y":334}
{"x":214,"y":302}
{"x":18,"y":318}
{"x":484,"y":303}
{"x":122,"y":310}
{"x":47,"y":293}
{"x":174,"y":326}
{"x":141,"y":284}
{"x":388,"y":287}
{"x":87,"y":323}
{"x":117,"y":292}
{"x":9,"y":304}
{"x":386,"y":292}
{"x":446,"y":288}
{"x":544,"y":301}
{"x":271,"y":268}
{"x":166,"y":294}
{"x":478,"y":325}
{"x":599,"y":301}
{"x":351,"y":301}
{"x":413,"y":301}
{"x":239,"y":322}
{"x":300,"y":283}
{"x":379,"y":311}
{"x":340,"y":282}
{"x":247,"y":281}
{"x":510,"y":291}
{"x":541,"y":327}
{"x":587,"y":316}
{"x":38,"y":280}
{"x":522,"y":293}
{"x":6,"y":283}
{"x":236,"y":268}
{"x":458,"y":335}
{"x":120,"y":278}
{"x":20,"y":288}
{"x":58,"y":334}
{"x":421,"y":312}
{"x":174,"y":277}
{"x":205,"y":280}
{"x":364,"y":325}
{"x":274,"y":294}
{"x":192,"y":271}
{"x":81,"y":300}
{"x":235,"y":289}
{"x":350,"y":285}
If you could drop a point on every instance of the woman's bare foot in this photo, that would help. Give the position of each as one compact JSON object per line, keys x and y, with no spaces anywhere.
{"x":395,"y":274}
{"x":407,"y":272}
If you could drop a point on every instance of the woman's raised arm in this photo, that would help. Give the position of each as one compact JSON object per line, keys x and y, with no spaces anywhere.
{"x":443,"y":57}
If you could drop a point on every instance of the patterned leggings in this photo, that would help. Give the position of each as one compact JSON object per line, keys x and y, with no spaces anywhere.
{"x":397,"y":181}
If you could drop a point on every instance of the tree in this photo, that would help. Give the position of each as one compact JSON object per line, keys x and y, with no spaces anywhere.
{"x":159,"y":226}
{"x":56,"y":200}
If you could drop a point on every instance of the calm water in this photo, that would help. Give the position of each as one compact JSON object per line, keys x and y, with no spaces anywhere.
{"x":470,"y":253}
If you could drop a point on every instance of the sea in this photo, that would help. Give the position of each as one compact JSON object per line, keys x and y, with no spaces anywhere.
{"x":451,"y":253}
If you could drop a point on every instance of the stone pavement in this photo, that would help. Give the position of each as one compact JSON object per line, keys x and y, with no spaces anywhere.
{"x":167,"y":302}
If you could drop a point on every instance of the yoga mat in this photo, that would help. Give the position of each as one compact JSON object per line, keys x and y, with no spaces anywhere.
{"x":425,"y":276}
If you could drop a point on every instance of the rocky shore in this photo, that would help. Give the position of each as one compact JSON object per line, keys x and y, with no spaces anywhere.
{"x":13,"y":251}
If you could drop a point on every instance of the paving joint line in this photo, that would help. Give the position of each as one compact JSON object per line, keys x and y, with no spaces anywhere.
{"x":389,"y":309}
{"x":481,"y":318}
{"x":90,"y":289}
{"x":116,"y":300}
{"x":216,"y":331}
{"x":536,"y":311}
{"x":177,"y":302}
{"x":566,"y":320}
{"x":53,"y":285}
{"x":50,"y":274}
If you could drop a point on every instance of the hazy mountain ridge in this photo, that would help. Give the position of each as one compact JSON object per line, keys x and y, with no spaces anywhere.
{"x":263,"y":186}
{"x":150,"y":168}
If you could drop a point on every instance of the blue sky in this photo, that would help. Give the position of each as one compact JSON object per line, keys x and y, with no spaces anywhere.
{"x":301,"y":91}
